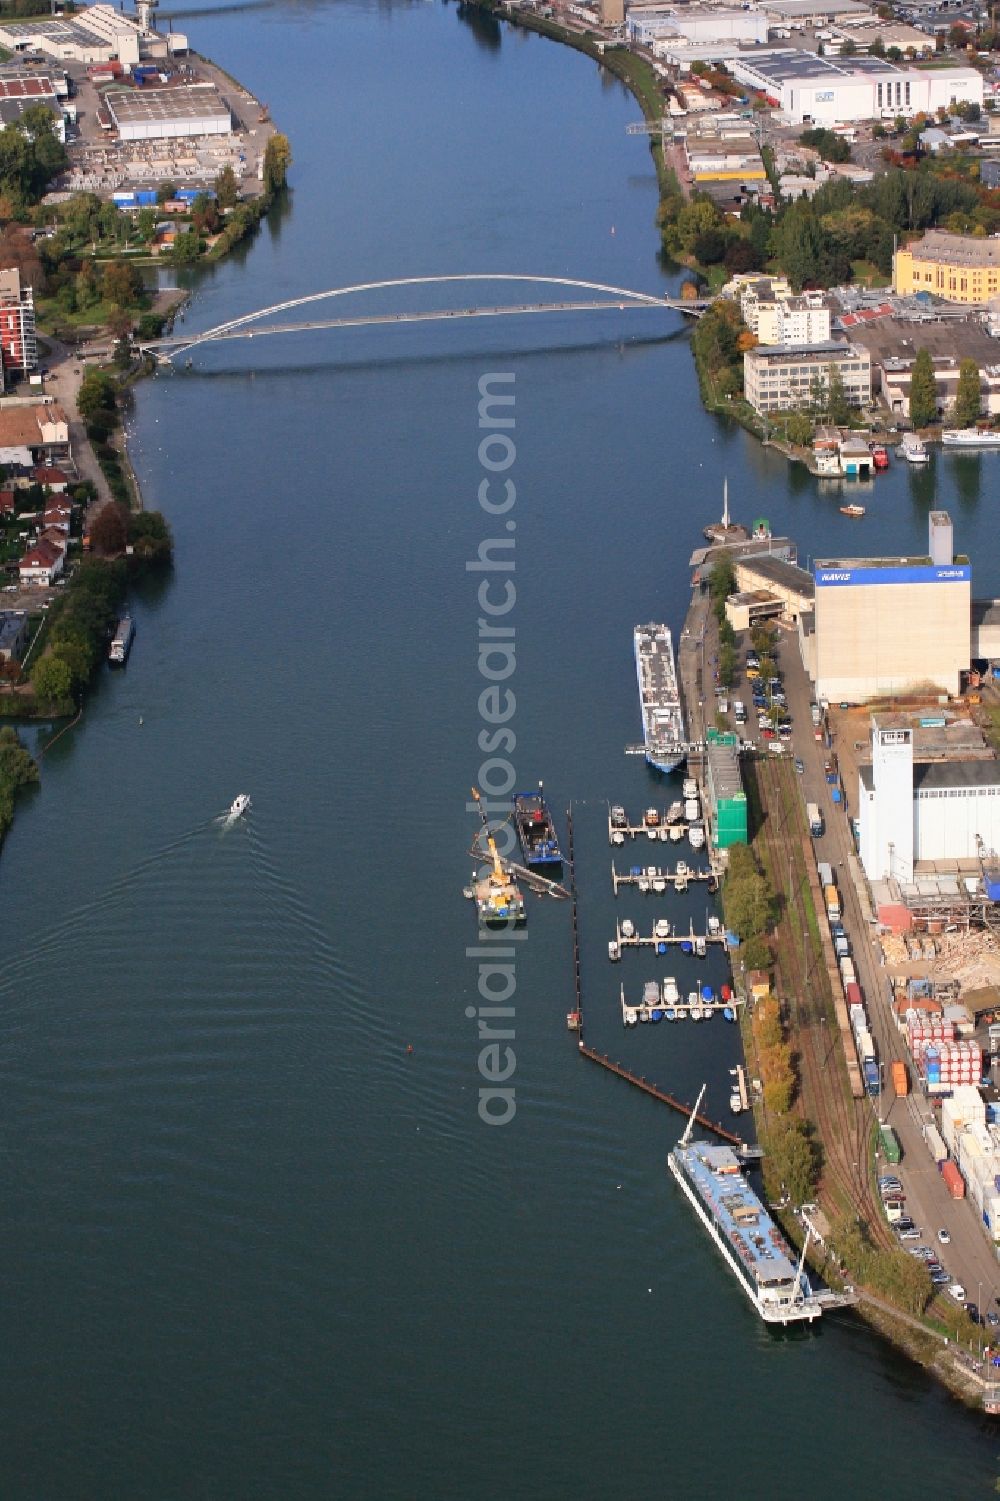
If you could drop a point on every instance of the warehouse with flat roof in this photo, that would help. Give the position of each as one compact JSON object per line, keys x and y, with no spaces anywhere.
{"x":196,"y":109}
{"x":815,"y":90}
{"x":893,"y":625}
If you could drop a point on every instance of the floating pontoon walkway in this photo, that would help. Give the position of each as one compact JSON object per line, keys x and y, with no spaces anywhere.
{"x":655,"y":878}
{"x":639,"y":940}
{"x":658,"y":1094}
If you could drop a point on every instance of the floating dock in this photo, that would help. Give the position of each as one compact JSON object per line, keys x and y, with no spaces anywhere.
{"x":676,"y":940}
{"x":663,"y":832}
{"x":655,"y":878}
{"x":656,"y":1011}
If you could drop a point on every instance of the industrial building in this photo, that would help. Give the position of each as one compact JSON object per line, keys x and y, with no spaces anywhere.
{"x":957,"y":268}
{"x":777,"y":379}
{"x":922,"y":811}
{"x":197,"y":109}
{"x":891,"y":625}
{"x":814,"y":90}
{"x":791,"y":587}
{"x":697,"y":24}
{"x":20,"y":91}
{"x":893,"y":344}
{"x":727,"y":801}
{"x":723,"y":151}
{"x":97,"y":34}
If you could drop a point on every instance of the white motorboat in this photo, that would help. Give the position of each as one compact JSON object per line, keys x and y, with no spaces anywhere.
{"x":690,"y":787}
{"x":659,"y":883}
{"x":631,"y":1016}
{"x":239,"y":806}
{"x":643,"y":883}
{"x":682,"y":870}
{"x":671,"y":995}
{"x":714,"y":926}
{"x":618,"y":817}
{"x":628,"y":928}
{"x":664,"y":835}
{"x":675,"y":812}
{"x":696,"y":834}
{"x":691,"y":809}
{"x":662,"y":928}
{"x":617,"y":837}
{"x":913,"y":450}
{"x":735,"y":1103}
{"x":676,"y":833}
{"x":614,"y":952}
{"x":700,"y":946}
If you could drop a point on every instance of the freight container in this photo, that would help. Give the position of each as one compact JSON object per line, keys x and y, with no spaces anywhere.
{"x":859,"y":1020}
{"x":873,"y":1082}
{"x":854,"y":994}
{"x":832,"y":903}
{"x":900,"y":1078}
{"x":954,"y":1181}
{"x":847,"y":974}
{"x":841,"y":947}
{"x":866,"y":1047}
{"x":936,"y":1147}
{"x":890,"y":1145}
{"x":814,"y":819}
{"x":825,"y":871}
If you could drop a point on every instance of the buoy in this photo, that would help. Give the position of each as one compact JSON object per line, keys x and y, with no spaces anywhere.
{"x":612,"y":229}
{"x":409,"y":1047}
{"x":140,"y":719}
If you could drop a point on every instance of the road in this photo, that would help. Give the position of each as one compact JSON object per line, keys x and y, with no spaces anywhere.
{"x":969,"y":1258}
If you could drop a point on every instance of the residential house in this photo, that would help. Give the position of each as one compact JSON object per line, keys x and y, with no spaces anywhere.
{"x":13,"y":634}
{"x":30,"y":435}
{"x":53,"y":479}
{"x":58,"y":516}
{"x":42,"y":564}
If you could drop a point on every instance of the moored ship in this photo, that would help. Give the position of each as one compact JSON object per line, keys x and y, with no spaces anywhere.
{"x":659,"y":697}
{"x":913,"y":449}
{"x":121,"y":643}
{"x":752,"y":1245}
{"x":536,"y":831}
{"x":971,"y":437}
{"x":499,"y":902}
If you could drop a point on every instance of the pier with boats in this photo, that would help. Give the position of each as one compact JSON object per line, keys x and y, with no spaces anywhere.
{"x":657,"y":878}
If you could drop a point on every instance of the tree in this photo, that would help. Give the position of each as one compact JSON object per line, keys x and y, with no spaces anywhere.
{"x":96,"y":394}
{"x":277,"y":160}
{"x":742,"y":255}
{"x":757,"y":953}
{"x":923,"y":391}
{"x":836,"y":397}
{"x":205,"y":214}
{"x":109,"y":531}
{"x":849,"y":48}
{"x":188,"y":246}
{"x":710,"y":246}
{"x":52,"y":679}
{"x":121,"y":284}
{"x":968,"y":399}
{"x":749,"y":901}
{"x":799,"y":429}
{"x":791,"y":1161}
{"x":166,"y":191}
{"x":958,"y":36}
{"x":226,"y":188}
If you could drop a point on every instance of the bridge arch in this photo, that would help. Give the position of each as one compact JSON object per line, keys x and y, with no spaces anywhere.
{"x":235,"y":326}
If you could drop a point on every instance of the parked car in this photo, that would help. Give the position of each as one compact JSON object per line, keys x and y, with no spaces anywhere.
{"x":944,"y":1237}
{"x":911,"y":1232}
{"x":799,"y":766}
{"x":957,"y":1291}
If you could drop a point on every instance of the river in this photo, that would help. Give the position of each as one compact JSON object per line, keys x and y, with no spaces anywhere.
{"x":258,"y":1241}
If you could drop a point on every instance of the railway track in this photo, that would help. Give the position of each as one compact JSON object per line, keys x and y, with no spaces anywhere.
{"x":842,"y":1122}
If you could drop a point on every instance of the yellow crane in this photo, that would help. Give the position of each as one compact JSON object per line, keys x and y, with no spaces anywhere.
{"x":497,"y":895}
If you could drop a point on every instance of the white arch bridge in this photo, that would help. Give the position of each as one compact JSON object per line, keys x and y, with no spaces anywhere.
{"x":253,"y":325}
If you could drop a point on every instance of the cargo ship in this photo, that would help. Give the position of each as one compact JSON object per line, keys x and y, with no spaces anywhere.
{"x":751,"y":1244}
{"x":536,"y":831}
{"x":121,"y":643}
{"x":659,"y":697}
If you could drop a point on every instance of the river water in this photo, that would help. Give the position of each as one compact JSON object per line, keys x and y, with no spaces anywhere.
{"x":254,"y":1247}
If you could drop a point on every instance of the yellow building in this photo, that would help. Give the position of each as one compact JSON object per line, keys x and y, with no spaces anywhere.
{"x":959,"y":268}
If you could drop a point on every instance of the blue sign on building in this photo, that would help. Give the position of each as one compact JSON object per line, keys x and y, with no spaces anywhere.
{"x":906,"y":573}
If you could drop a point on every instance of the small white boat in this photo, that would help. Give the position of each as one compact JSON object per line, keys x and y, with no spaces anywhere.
{"x":690,"y":787}
{"x":659,"y":883}
{"x":700,"y":946}
{"x":614,"y":952}
{"x":643,"y":883}
{"x":239,"y":806}
{"x":696,"y":834}
{"x":662,"y":928}
{"x":651,"y":818}
{"x":735,"y":1103}
{"x":913,"y":450}
{"x":652,"y":833}
{"x":618,"y":816}
{"x":694,"y":1010}
{"x":682,"y":870}
{"x":676,"y":833}
{"x":631,"y":1016}
{"x":664,"y":835}
{"x":675,"y":812}
{"x":671,"y":995}
{"x":691,"y":809}
{"x":628,"y":928}
{"x":617,"y":837}
{"x":714,"y":927}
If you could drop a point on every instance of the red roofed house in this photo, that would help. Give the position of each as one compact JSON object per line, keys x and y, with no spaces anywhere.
{"x":56,"y":481}
{"x":58,"y":516}
{"x":42,"y":563}
{"x":6,"y":502}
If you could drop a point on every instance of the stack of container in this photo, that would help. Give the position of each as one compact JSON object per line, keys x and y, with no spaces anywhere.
{"x":965,"y":1108}
{"x":953,"y":1179}
{"x":961,"y":1063}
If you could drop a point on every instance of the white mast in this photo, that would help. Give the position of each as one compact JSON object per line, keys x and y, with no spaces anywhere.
{"x":725,"y":501}
{"x":802,"y":1261}
{"x":697,"y":1106}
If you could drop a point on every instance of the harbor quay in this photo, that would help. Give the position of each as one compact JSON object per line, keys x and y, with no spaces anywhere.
{"x":891,"y":807}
